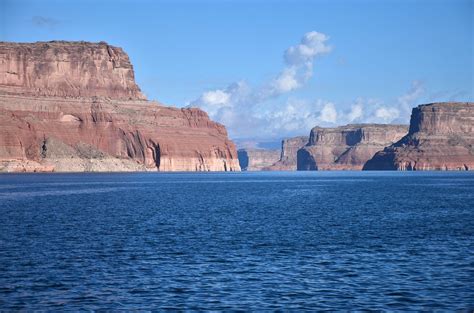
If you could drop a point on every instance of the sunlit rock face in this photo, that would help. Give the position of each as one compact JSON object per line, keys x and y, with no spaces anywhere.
{"x":74,"y":106}
{"x":441,"y":137}
{"x":289,"y":149}
{"x":67,"y":69}
{"x":257,"y":159}
{"x":346,"y":147}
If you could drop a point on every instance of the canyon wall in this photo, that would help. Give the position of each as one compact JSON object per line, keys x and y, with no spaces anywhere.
{"x":257,"y":159}
{"x":67,"y":69}
{"x":441,"y":137}
{"x":346,"y":147}
{"x":74,"y":106}
{"x":289,"y":150}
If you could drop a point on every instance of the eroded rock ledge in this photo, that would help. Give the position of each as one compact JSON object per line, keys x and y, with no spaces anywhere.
{"x":441,"y":137}
{"x":346,"y":147}
{"x":257,"y":159}
{"x":47,"y":134}
{"x":67,"y":69}
{"x":75,"y":106}
{"x":289,"y":150}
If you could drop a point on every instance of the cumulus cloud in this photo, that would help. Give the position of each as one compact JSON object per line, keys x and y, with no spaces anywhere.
{"x":376,"y":111}
{"x":406,"y":100}
{"x":356,"y":113}
{"x":259,"y":113}
{"x":328,"y":113}
{"x":286,"y":81}
{"x":387,"y":114}
{"x":243,"y":108}
{"x":312,"y":44}
{"x":400,"y":110}
{"x":373,"y":110}
{"x":299,"y":61}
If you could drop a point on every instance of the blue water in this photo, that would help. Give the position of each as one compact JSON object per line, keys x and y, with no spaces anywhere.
{"x":314,"y":240}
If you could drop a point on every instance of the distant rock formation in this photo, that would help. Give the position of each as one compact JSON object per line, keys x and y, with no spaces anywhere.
{"x":441,"y":137}
{"x":346,"y":147}
{"x":74,"y":106}
{"x":257,"y":159}
{"x":289,"y":149}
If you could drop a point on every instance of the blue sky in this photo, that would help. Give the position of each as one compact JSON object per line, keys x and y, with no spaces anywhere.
{"x":380,"y":55}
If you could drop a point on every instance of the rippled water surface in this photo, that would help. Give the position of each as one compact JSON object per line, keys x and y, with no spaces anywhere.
{"x":315,"y":240}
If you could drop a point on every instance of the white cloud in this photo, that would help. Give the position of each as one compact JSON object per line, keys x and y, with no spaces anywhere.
{"x":407,"y":100}
{"x":312,"y":44}
{"x":257,"y":113}
{"x":376,"y":111}
{"x":387,"y":114}
{"x":286,"y":81}
{"x":235,"y":108}
{"x":299,"y":61}
{"x":328,"y":113}
{"x":217,"y":97}
{"x":243,"y":108}
{"x":356,"y":113}
{"x":215,"y":100}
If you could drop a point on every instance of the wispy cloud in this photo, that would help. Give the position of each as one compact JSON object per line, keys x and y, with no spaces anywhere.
{"x":255,"y":112}
{"x":406,"y":101}
{"x":240,"y":106}
{"x":44,"y":22}
{"x":377,"y":111}
{"x":299,"y":64}
{"x":445,"y":95}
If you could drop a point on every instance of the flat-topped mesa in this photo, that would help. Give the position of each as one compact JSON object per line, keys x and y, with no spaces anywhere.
{"x":441,"y":137}
{"x":289,"y":149}
{"x":74,"y":107}
{"x":67,"y":69}
{"x":443,"y":118}
{"x":346,"y":147}
{"x":257,"y":159}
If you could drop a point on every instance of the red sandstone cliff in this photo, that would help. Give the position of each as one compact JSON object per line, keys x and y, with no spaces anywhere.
{"x":74,"y":106}
{"x":257,"y":159}
{"x":441,"y":137}
{"x":289,"y":150}
{"x":346,"y":147}
{"x":67,"y":69}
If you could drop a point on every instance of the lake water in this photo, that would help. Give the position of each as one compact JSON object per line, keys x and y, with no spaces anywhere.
{"x":314,"y":240}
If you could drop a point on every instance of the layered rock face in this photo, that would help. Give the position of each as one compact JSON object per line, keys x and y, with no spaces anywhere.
{"x":289,"y":149}
{"x":346,"y":147}
{"x":441,"y":137}
{"x":95,"y":119}
{"x":67,"y":69}
{"x":257,"y":159}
